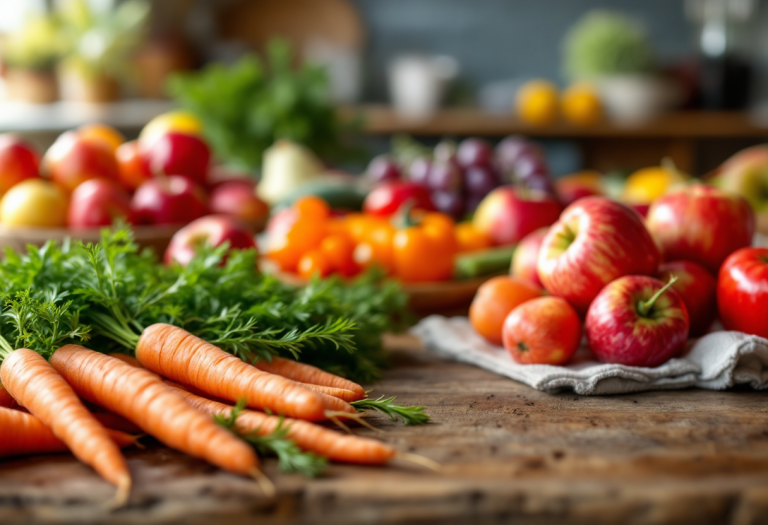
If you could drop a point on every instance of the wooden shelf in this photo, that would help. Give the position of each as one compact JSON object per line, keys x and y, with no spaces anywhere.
{"x":61,"y":116}
{"x":383,"y":120}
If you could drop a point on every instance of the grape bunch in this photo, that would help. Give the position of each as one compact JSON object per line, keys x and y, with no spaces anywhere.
{"x":459,"y":176}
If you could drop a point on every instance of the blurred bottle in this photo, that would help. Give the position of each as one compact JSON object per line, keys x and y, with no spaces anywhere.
{"x":725,"y":42}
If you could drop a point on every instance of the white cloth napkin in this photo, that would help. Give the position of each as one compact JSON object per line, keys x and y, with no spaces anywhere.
{"x":716,"y":361}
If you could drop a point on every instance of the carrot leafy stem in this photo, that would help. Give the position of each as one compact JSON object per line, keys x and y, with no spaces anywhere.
{"x":409,"y":415}
{"x":44,"y":325}
{"x":291,"y":459}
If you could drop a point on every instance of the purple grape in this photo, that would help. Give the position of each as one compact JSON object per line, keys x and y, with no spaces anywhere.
{"x":418,"y":172}
{"x":528,"y":167}
{"x":512,"y":149}
{"x":383,"y":168}
{"x":445,"y":176}
{"x":449,"y":202}
{"x":445,"y":151}
{"x":480,"y":180}
{"x":474,"y":152}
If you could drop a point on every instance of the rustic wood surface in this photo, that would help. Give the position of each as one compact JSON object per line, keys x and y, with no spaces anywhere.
{"x":510,"y":454}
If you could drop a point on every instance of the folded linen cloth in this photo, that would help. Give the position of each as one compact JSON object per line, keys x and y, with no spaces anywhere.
{"x":716,"y":361}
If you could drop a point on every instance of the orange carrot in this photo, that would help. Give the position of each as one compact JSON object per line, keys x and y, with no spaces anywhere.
{"x":304,"y":373}
{"x":128,"y":359}
{"x":141,"y":397}
{"x":5,"y":398}
{"x":24,"y":434}
{"x":178,"y":355}
{"x":36,"y":386}
{"x":340,"y":393}
{"x":308,"y":436}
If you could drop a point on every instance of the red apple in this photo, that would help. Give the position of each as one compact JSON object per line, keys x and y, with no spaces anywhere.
{"x":543,"y":331}
{"x":579,"y":185}
{"x":72,"y":160}
{"x":239,"y":199}
{"x":98,"y":202}
{"x":214,"y":230}
{"x":18,"y":161}
{"x":596,"y":241}
{"x":179,"y":154}
{"x":508,"y":214}
{"x":701,"y":224}
{"x":742,"y":291}
{"x":525,"y":261}
{"x":637,"y":321}
{"x":169,"y":200}
{"x":698,"y":288}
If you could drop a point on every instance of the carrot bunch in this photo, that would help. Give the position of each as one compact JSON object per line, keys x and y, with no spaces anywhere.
{"x":195,"y":341}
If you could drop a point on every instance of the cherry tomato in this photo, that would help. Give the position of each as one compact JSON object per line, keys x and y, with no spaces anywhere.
{"x":494,"y":300}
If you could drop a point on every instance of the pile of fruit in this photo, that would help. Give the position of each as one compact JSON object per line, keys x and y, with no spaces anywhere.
{"x":638,"y":288}
{"x":91,"y":177}
{"x":458,"y":177}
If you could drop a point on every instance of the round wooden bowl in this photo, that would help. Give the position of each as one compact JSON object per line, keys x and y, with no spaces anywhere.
{"x":425,"y":298}
{"x":155,"y":237}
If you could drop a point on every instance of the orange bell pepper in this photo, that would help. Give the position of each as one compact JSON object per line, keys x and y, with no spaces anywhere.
{"x":424,"y":248}
{"x":297,"y":230}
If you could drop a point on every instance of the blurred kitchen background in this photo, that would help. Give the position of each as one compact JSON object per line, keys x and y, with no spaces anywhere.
{"x":612,"y":85}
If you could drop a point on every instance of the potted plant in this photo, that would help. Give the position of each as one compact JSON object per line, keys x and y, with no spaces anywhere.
{"x":613,"y":53}
{"x":99,"y":44}
{"x":29,"y":56}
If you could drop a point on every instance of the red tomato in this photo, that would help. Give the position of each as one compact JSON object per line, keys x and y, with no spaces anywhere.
{"x":742,"y":291}
{"x":387,"y":197}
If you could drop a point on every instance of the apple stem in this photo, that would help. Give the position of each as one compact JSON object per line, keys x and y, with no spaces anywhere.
{"x":644,"y":307}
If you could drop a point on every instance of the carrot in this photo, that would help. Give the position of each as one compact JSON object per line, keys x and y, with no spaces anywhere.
{"x":178,"y":355}
{"x":5,"y":398}
{"x":141,"y":397}
{"x":340,"y":393}
{"x":304,"y":373}
{"x":25,"y":434}
{"x":125,"y":358}
{"x":308,"y":436}
{"x":36,"y":386}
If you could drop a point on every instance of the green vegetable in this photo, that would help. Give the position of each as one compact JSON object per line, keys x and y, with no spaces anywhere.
{"x":247,"y":107}
{"x":291,"y":459}
{"x":604,"y":43}
{"x":338,"y":196}
{"x":408,"y":415}
{"x":485,"y":262}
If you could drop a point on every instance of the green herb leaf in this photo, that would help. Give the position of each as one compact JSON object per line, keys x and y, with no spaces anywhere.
{"x":409,"y":415}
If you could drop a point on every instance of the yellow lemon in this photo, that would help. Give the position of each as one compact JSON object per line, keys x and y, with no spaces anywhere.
{"x":537,"y":102}
{"x":174,"y":121}
{"x":648,"y":184}
{"x":581,"y":105}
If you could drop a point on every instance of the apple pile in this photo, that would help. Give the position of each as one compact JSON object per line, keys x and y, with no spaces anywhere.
{"x":459,"y":177}
{"x":637,"y":289}
{"x":91,"y":177}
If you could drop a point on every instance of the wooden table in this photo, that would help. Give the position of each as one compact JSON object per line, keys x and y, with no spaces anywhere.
{"x":510,"y":454}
